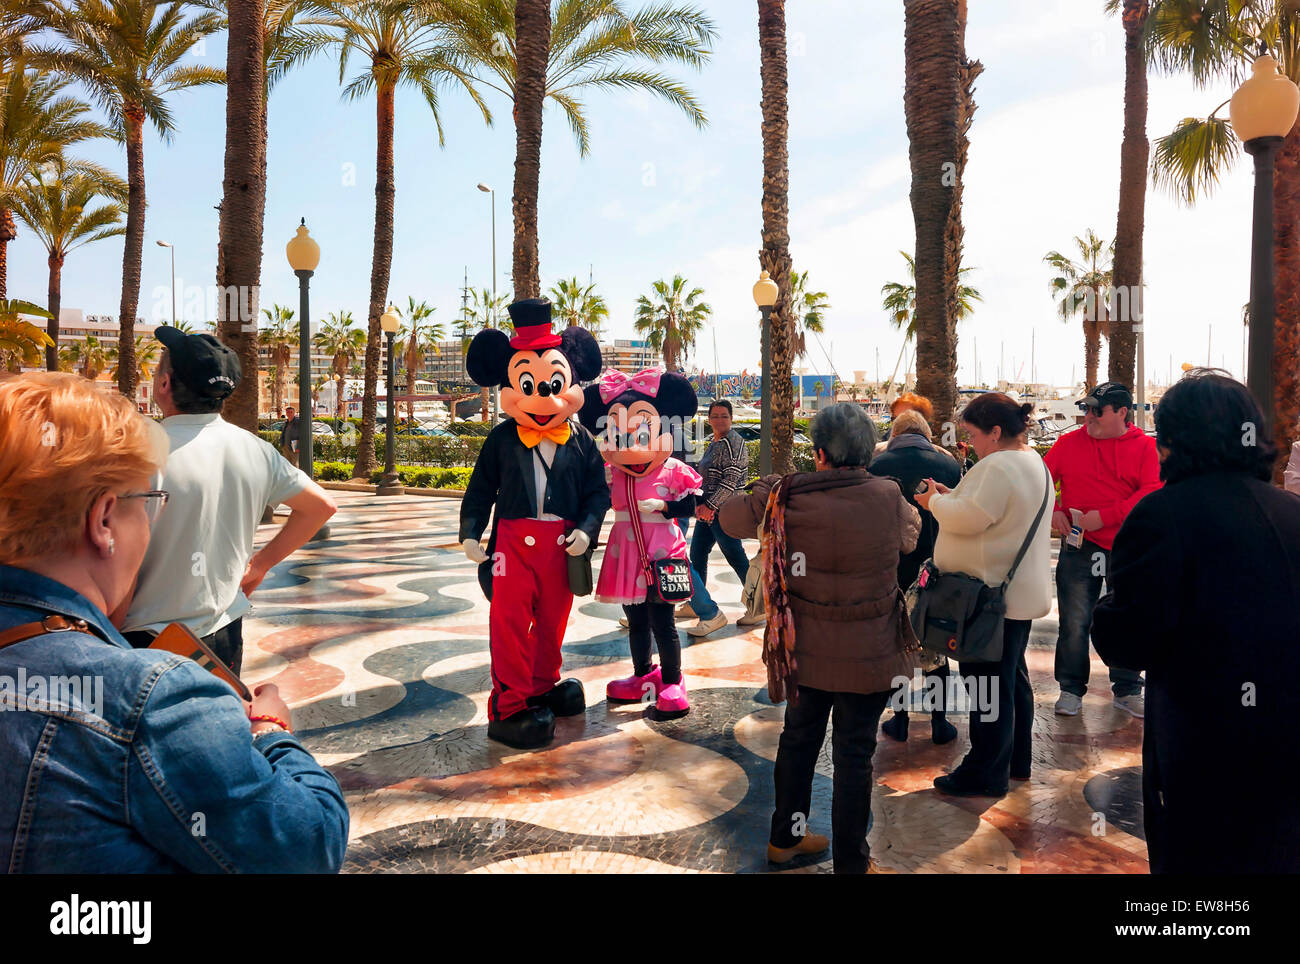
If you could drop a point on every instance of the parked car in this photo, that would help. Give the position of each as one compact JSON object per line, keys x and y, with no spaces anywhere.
{"x":318,"y":429}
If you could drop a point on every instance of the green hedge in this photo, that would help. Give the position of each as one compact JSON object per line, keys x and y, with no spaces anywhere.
{"x":414,"y":476}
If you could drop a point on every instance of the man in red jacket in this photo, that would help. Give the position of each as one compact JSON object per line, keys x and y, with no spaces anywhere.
{"x":1103,"y":472}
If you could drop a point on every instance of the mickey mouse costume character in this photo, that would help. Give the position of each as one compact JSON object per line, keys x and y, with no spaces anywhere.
{"x":546,"y":478}
{"x":630,"y":416}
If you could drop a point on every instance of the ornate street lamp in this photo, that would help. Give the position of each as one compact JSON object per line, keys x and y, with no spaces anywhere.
{"x":1263,"y":111}
{"x":765,"y":295}
{"x":390,"y":321}
{"x":304,"y":255}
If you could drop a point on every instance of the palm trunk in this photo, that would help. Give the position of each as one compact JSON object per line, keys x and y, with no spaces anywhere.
{"x":132,"y":250}
{"x":774,"y":257}
{"x":532,"y":46}
{"x":1091,"y":351}
{"x":931,"y":100}
{"x":385,"y":189}
{"x":8,"y":231}
{"x":243,"y":203}
{"x":1133,"y":154}
{"x":1286,"y":322}
{"x":54,"y":299}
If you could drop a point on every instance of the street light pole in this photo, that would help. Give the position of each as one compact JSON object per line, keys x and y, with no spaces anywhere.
{"x":390,"y":485}
{"x":496,"y":392}
{"x":765,"y":294}
{"x":165,"y":244}
{"x":1263,"y":111}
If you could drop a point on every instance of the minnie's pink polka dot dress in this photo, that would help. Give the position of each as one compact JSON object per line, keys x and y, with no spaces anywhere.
{"x":621,"y":579}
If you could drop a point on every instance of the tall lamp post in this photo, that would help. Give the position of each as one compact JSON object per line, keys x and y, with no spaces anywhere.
{"x":304,"y":255}
{"x":765,"y":294}
{"x":1263,"y":111}
{"x":167,"y":244}
{"x":389,"y":321}
{"x":496,"y":397}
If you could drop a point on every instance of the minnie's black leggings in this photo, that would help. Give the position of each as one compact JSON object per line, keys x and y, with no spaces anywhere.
{"x":642,"y":619}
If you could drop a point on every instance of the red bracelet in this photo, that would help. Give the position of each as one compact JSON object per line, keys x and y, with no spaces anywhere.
{"x":270,"y":719}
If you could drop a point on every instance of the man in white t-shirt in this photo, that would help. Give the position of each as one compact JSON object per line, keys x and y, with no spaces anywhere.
{"x":200,"y":567}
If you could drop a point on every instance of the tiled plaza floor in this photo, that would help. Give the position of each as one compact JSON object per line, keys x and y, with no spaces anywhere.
{"x":377,"y":637}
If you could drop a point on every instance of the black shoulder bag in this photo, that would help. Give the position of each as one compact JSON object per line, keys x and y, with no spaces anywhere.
{"x":959,"y":616}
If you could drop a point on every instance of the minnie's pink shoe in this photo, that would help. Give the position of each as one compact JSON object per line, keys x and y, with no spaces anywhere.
{"x":635,"y":689}
{"x":672,"y":702}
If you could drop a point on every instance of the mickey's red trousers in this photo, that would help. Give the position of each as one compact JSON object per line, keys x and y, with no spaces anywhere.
{"x":531,"y":600}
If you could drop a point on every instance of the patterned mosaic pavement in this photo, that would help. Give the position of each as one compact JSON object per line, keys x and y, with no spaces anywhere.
{"x":377,"y":637}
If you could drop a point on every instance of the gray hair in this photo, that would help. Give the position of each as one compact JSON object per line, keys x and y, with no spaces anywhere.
{"x":845,"y":433}
{"x":910,"y":422}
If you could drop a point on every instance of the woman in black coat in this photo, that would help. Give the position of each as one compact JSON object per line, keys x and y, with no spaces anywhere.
{"x":1204,"y":584}
{"x":910,"y":457}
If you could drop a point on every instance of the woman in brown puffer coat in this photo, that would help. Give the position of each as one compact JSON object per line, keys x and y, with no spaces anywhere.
{"x":837,"y":533}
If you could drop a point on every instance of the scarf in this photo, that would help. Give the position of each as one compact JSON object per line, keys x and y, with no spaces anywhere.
{"x":778,"y":634}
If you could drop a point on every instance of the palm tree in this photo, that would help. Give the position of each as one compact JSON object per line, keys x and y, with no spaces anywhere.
{"x":90,"y":355}
{"x":808,"y":309}
{"x":1133,"y":155}
{"x":21,"y":342}
{"x":338,"y":339}
{"x":18,"y":20}
{"x":774,"y":258}
{"x":37,"y":121}
{"x":899,"y":299}
{"x":127,"y":54}
{"x":58,"y":204}
{"x":416,"y":342}
{"x":1216,"y":41}
{"x":1084,"y":287}
{"x":145,"y":358}
{"x":939,"y":104}
{"x":672,"y":321}
{"x":280,"y":336}
{"x":578,"y":304}
{"x":403,"y":43}
{"x":579,"y":46}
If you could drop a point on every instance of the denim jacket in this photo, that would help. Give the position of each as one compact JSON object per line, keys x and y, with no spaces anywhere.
{"x":123,"y":760}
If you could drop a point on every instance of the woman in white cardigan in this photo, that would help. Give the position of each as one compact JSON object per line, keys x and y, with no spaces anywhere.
{"x":982,"y":523}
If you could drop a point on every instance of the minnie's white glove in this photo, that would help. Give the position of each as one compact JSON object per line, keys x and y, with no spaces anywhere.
{"x":474,"y":550}
{"x":651,"y":505}
{"x":577,"y":542}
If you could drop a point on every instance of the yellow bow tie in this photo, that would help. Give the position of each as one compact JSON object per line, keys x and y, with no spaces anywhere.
{"x":559,"y":434}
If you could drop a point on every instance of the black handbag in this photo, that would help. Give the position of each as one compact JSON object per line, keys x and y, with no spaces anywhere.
{"x":962,"y":617}
{"x":668,"y":580}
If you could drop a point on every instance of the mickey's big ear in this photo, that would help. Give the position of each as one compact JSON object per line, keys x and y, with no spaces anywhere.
{"x":583,"y":351}
{"x":488,"y":358}
{"x":675,"y":397}
{"x":592,"y":408}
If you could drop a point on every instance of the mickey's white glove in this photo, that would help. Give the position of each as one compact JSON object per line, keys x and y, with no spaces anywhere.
{"x":577,"y":542}
{"x":651,"y":505}
{"x":474,"y":550}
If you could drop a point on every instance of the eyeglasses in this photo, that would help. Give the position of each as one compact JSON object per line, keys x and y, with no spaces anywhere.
{"x":155,"y":500}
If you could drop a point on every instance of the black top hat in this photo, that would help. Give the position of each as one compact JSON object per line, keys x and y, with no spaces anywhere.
{"x":204,"y":365}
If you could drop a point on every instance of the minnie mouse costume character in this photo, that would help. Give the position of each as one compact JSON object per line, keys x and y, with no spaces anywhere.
{"x":546,"y":478}
{"x":630,"y":417}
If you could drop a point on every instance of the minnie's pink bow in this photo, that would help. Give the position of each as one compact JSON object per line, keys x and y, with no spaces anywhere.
{"x":614,"y":383}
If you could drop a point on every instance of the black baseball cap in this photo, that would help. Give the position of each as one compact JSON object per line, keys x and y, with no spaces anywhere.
{"x":203,"y":365}
{"x":1113,"y":394}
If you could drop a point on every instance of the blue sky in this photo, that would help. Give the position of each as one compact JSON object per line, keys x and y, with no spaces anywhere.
{"x":656,"y":196}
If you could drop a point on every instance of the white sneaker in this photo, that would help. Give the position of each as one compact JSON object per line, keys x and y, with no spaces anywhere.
{"x":684,"y":611}
{"x":706,"y":626}
{"x":754,"y":619}
{"x":1132,"y":704}
{"x":1067,"y":704}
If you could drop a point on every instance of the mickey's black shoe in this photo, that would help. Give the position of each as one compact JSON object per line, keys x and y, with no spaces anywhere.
{"x":526,"y":730}
{"x":565,"y":698}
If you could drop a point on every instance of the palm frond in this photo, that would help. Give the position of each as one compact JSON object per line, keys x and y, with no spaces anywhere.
{"x":1188,"y":161}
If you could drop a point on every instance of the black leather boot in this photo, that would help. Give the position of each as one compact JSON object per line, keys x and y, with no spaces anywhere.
{"x":565,"y":698}
{"x":526,"y":730}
